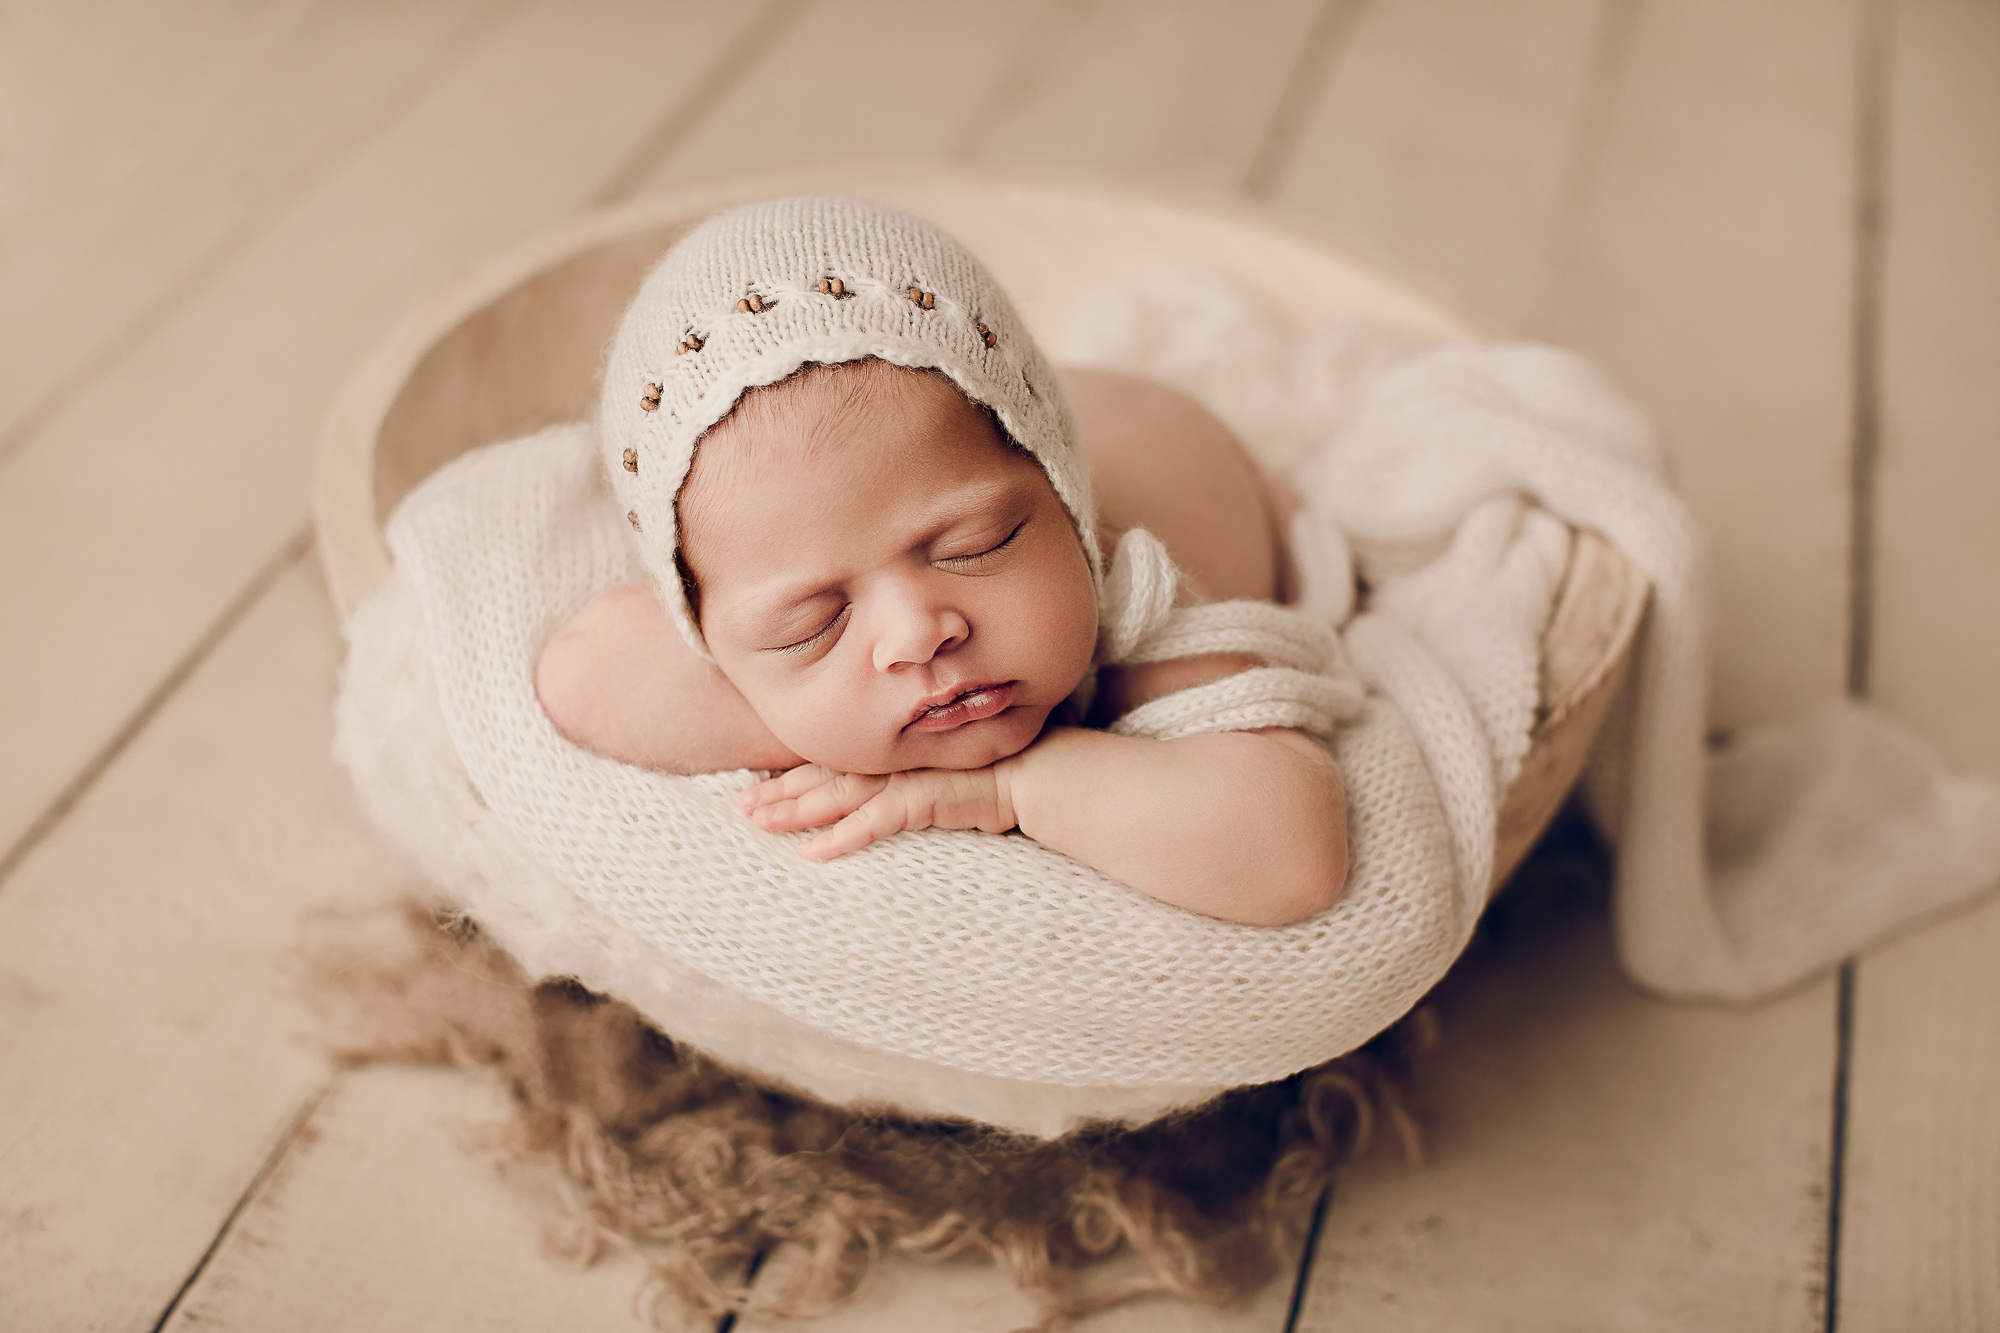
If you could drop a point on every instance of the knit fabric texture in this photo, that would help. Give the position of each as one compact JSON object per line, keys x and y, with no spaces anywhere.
{"x":754,"y":293}
{"x":1739,"y":874}
{"x":965,"y":974}
{"x":946,"y":972}
{"x":1306,"y":682}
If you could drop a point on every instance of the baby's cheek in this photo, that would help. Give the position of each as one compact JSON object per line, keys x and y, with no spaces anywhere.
{"x":830,"y":730}
{"x":1069,"y":632}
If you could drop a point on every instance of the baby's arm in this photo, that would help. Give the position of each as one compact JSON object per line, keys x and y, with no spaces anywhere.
{"x":1244,"y":826}
{"x":619,"y":681}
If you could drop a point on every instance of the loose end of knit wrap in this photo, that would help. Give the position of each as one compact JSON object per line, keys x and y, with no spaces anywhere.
{"x":1307,"y":684}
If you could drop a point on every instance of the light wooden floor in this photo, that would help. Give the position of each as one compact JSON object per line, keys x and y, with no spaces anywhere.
{"x":1776,"y":222}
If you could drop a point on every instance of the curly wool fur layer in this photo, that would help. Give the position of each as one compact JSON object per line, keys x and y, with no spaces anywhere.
{"x":626,"y":1140}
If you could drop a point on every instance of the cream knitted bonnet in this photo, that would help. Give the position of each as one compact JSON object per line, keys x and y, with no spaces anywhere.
{"x":752,"y":294}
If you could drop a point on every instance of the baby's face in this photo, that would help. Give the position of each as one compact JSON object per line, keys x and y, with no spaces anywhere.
{"x":889,"y":583}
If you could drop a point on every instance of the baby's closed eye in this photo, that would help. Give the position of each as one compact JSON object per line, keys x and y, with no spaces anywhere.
{"x":984,"y":550}
{"x":817,"y":638}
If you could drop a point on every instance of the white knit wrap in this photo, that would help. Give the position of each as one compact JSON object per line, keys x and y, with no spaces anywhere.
{"x":754,"y":293}
{"x":944,"y":972}
{"x":1306,"y":681}
{"x":968,"y":974}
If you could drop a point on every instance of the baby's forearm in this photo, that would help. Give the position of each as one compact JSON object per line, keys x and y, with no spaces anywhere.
{"x":1245,"y":826}
{"x":617,"y":680}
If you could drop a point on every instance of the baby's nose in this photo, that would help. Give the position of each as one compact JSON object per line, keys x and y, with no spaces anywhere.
{"x":915,"y":632}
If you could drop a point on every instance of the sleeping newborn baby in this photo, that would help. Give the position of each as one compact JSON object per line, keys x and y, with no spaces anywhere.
{"x":872,"y":524}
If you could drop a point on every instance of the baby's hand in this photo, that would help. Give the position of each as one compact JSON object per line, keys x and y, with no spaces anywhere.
{"x":871,"y":807}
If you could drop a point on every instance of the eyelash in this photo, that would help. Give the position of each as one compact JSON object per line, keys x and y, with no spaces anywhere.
{"x":994,"y":550}
{"x":812,"y":641}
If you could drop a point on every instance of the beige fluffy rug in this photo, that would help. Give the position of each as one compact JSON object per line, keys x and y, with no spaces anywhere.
{"x":624,"y":1140}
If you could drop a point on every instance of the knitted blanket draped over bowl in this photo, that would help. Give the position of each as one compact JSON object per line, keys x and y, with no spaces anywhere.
{"x":962,"y":974}
{"x":1740,"y":872}
{"x":1737,"y":877}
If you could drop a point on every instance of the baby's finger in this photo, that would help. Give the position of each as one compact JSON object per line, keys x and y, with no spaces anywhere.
{"x":791,"y":782}
{"x":884,"y":814}
{"x":832,"y":799}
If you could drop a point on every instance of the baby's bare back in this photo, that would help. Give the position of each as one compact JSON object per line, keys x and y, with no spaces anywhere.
{"x":619,"y":680}
{"x":1160,"y":461}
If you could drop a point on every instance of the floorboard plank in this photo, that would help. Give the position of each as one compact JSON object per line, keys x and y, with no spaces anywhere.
{"x":1597,"y":1160}
{"x":146,"y":1028}
{"x":149,"y":143}
{"x":1179,"y":96}
{"x":935,"y":67}
{"x":977,"y":1297}
{"x":378,"y":1218}
{"x":131,"y":521}
{"x":903,"y":1295}
{"x":1920,"y":1231}
{"x":1936,"y":646}
{"x":1441,"y":144}
{"x":1706,"y":263}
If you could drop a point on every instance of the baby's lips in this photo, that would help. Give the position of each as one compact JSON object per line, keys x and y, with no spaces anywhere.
{"x":974,"y":703}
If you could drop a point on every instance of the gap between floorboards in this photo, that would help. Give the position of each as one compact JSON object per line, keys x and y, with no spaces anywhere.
{"x":290,"y":553}
{"x":279,"y":1151}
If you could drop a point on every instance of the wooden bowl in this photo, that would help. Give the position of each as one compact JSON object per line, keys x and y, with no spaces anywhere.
{"x":515,"y":345}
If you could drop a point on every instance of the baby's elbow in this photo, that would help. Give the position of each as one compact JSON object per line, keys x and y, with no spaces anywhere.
{"x":1308,"y":881}
{"x":566,"y":687}
{"x":1305,"y":868}
{"x":1320,"y":886}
